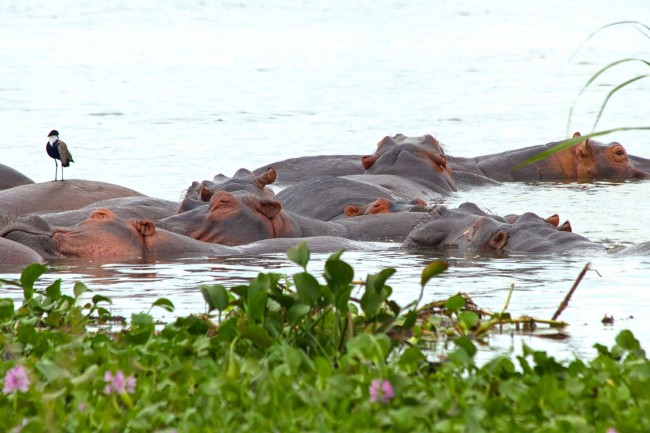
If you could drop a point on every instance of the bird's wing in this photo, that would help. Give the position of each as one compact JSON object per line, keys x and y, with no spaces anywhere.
{"x":66,"y":156}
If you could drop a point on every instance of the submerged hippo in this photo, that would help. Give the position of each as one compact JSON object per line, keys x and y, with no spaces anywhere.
{"x":587,"y":160}
{"x":402,"y":168}
{"x":470,"y":228}
{"x":105,"y":235}
{"x":383,"y":205}
{"x":58,"y":196}
{"x":10,"y":178}
{"x":232,"y":219}
{"x":15,"y":255}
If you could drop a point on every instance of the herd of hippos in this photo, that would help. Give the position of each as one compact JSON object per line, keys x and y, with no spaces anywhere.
{"x":332,"y":201}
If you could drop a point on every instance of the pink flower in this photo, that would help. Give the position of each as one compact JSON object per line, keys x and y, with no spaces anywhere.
{"x":381,"y":390}
{"x":118,"y":384}
{"x":611,"y":430}
{"x":20,"y":426}
{"x":16,"y":380}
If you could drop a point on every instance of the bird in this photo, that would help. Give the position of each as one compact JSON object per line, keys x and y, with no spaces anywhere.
{"x":57,"y":149}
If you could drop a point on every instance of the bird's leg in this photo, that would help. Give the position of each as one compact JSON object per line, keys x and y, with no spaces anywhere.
{"x":61,"y":172}
{"x":56,"y":170}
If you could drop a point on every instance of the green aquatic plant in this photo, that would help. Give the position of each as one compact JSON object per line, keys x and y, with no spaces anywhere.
{"x":292,"y":354}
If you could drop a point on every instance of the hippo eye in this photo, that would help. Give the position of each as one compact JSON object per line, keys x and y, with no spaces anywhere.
{"x":619,"y":152}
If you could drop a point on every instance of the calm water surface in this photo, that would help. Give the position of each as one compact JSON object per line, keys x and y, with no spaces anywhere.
{"x":155,"y":94}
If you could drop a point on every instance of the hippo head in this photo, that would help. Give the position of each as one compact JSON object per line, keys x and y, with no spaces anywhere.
{"x":528,"y":234}
{"x":243,"y":180}
{"x":103,"y":234}
{"x":420,"y":159}
{"x":384,"y":205}
{"x":591,"y":159}
{"x":234,"y":219}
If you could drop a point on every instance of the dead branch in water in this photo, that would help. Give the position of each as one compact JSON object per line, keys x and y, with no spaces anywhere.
{"x":567,"y":298}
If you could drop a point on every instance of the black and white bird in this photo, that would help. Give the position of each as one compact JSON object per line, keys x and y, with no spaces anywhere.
{"x":57,"y":149}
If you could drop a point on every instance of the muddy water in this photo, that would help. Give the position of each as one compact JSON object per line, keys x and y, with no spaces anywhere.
{"x":153,"y":95}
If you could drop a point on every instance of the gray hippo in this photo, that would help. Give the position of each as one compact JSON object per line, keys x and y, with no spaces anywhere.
{"x":104,"y":235}
{"x":587,"y":160}
{"x":14,"y":255}
{"x":402,"y":168}
{"x":138,"y":207}
{"x":10,"y":178}
{"x":232,"y":219}
{"x":470,"y":228}
{"x":58,"y":196}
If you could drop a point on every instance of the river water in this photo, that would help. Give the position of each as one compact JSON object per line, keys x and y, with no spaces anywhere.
{"x":155,"y":94}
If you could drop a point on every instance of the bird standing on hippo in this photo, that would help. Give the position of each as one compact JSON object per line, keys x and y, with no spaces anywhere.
{"x":57,"y":149}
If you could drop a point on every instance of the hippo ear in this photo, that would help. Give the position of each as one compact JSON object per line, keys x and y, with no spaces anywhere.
{"x":270,"y":208}
{"x":553,"y":219}
{"x":368,"y":161}
{"x":582,"y":149}
{"x":205,"y":194}
{"x":268,"y":177}
{"x":145,"y":227}
{"x":499,"y":240}
{"x":565,"y":227}
{"x":353,"y":210}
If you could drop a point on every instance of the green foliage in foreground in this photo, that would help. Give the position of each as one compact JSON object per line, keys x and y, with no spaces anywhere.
{"x":292,"y":354}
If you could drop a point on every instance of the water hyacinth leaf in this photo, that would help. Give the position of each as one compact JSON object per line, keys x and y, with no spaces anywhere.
{"x":297,"y":312}
{"x":257,"y":335}
{"x":338,"y":274}
{"x":336,"y":256}
{"x":376,"y":281}
{"x":411,"y":359}
{"x":164,"y":303}
{"x":466,"y":344}
{"x":468,"y":319}
{"x":99,"y":298}
{"x":30,"y":274}
{"x":257,"y":305}
{"x":50,"y":370}
{"x":370,"y":303}
{"x":53,"y":291}
{"x":299,"y":254}
{"x":6,"y":310}
{"x":86,"y":376}
{"x":215,"y":296}
{"x":433,"y":269}
{"x":307,"y":287}
{"x":79,"y":289}
{"x":455,"y":303}
{"x":261,"y":283}
{"x":410,"y":319}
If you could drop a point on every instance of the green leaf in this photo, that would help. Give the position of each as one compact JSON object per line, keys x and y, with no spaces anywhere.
{"x":338,"y":274}
{"x":7,"y":310}
{"x":31,"y":273}
{"x":53,"y":291}
{"x":99,"y":298}
{"x":297,"y":312}
{"x":466,"y":344}
{"x":299,"y":254}
{"x":376,"y":281}
{"x":370,"y":303}
{"x":455,"y":303}
{"x":433,"y":269}
{"x":410,"y":319}
{"x":257,"y":335}
{"x":79,"y":289}
{"x":257,"y":306}
{"x":307,"y":287}
{"x":50,"y":370}
{"x":468,"y":319}
{"x":215,"y":296}
{"x":164,"y":303}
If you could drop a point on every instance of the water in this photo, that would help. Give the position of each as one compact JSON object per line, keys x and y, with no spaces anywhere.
{"x":153,"y":95}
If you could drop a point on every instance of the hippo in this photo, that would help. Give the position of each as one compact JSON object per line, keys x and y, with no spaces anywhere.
{"x":586,"y":161}
{"x":10,"y":178}
{"x":58,"y":196}
{"x":294,"y":170}
{"x":243,"y":181}
{"x":470,"y":228}
{"x":140,"y":207}
{"x":402,"y":168}
{"x":383,"y":205}
{"x":232,"y":219}
{"x":104,"y":235}
{"x":14,"y":255}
